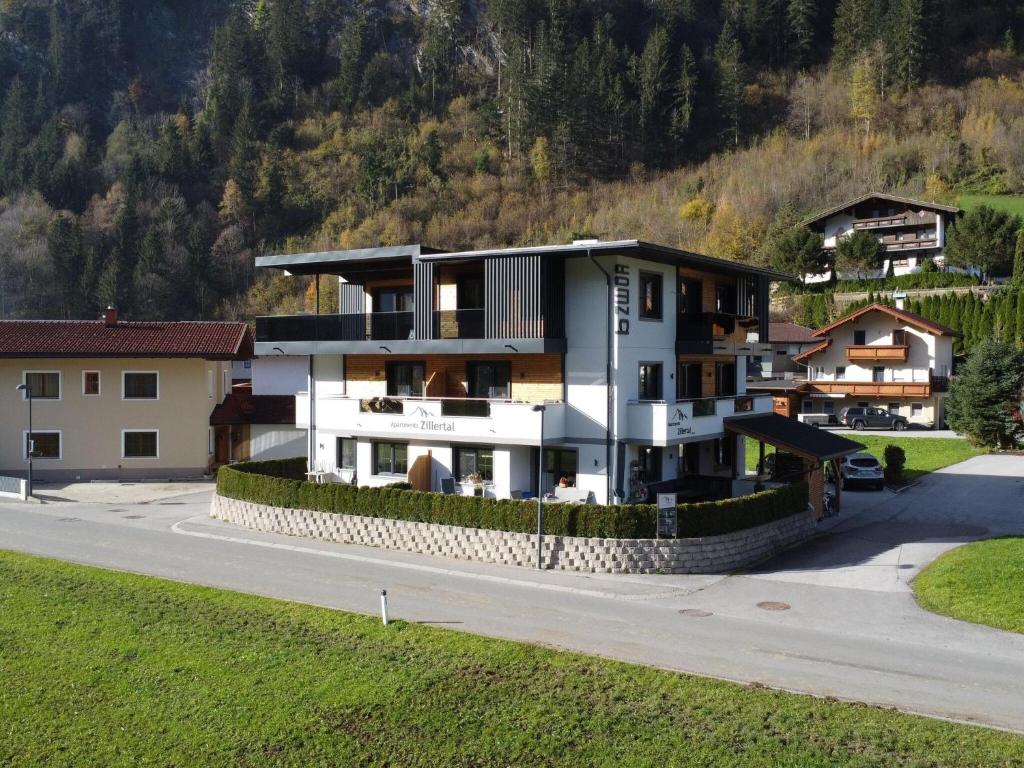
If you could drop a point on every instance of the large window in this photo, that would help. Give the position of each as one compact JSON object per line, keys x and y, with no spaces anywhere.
{"x":650,"y":381}
{"x":474,"y":460}
{"x":390,"y":459}
{"x":90,"y":383}
{"x":346,"y":453}
{"x":840,"y":372}
{"x":489,"y":379}
{"x":725,"y":299}
{"x":470,"y":292}
{"x":405,"y":379}
{"x":691,"y":296}
{"x":43,"y":445}
{"x":688,"y":381}
{"x":650,"y":464}
{"x":140,"y":444}
{"x":559,"y":465}
{"x":45,"y":385}
{"x":650,"y":296}
{"x":859,"y":338}
{"x":140,"y":385}
{"x":723,"y":451}
{"x":393,"y":300}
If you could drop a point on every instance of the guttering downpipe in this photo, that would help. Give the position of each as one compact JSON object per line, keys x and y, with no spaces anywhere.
{"x":609,"y":495}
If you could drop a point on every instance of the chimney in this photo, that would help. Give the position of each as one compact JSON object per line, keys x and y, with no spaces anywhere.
{"x":110,"y":317}
{"x":900,"y":297}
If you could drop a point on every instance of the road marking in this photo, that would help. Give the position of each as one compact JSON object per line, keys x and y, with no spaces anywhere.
{"x":176,"y":528}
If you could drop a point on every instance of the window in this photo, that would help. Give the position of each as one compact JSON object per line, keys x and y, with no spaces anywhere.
{"x":819,"y":372}
{"x":899,"y":338}
{"x":840,"y":372}
{"x":225,"y":383}
{"x":393,"y":300}
{"x":650,"y":381}
{"x":247,"y":364}
{"x":689,"y":459}
{"x":559,"y":463}
{"x":470,"y":292}
{"x":45,"y":385}
{"x":859,"y":338}
{"x":894,"y":409}
{"x":43,"y":445}
{"x":489,"y":379}
{"x":878,"y":373}
{"x":828,"y":407}
{"x":723,"y":452}
{"x":650,"y":296}
{"x":691,"y":297}
{"x":90,"y":383}
{"x":916,"y":409}
{"x":650,"y":464}
{"x":140,"y":385}
{"x":390,"y":458}
{"x":473,"y":460}
{"x":808,"y":406}
{"x":346,"y":453}
{"x":725,"y":379}
{"x":140,"y":444}
{"x":405,"y":379}
{"x":209,"y":440}
{"x":725,"y":299}
{"x":688,"y":381}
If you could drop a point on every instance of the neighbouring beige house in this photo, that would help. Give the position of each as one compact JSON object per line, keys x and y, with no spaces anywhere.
{"x":880,"y":357}
{"x":113,"y":399}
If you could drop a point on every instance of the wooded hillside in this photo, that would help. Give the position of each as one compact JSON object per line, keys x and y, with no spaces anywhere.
{"x":150,"y":149}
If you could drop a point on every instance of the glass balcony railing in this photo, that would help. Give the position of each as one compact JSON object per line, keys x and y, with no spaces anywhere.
{"x":375,"y":326}
{"x":459,"y":324}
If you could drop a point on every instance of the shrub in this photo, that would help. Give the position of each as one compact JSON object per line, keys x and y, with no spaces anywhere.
{"x":252,"y":482}
{"x":895,"y":459}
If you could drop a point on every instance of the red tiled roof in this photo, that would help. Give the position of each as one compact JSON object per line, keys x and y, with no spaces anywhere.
{"x":94,"y":338}
{"x":245,"y":408}
{"x":791,"y":333}
{"x":910,"y":318}
{"x":813,"y":350}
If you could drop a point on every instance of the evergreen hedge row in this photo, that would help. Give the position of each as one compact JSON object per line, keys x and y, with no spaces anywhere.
{"x":279,"y":483}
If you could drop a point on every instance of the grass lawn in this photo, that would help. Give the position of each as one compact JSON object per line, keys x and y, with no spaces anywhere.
{"x":104,"y":668}
{"x":980,"y":582}
{"x":924,"y":454}
{"x":1013,"y":204}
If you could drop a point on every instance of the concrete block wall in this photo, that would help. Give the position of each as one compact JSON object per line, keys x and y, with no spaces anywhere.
{"x":711,"y":554}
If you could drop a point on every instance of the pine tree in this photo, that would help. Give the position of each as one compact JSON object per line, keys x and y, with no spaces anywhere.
{"x":1018,"y":259}
{"x":800,"y":19}
{"x":649,"y":74}
{"x":985,"y":393}
{"x":855,"y":26}
{"x":352,"y":56}
{"x":731,"y":77}
{"x":64,"y":247}
{"x":14,"y":136}
{"x":685,"y":96}
{"x":906,"y":42}
{"x":1019,"y":335}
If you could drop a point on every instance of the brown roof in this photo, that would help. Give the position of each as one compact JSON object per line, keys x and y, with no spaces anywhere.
{"x":813,"y":350}
{"x":881,"y":196}
{"x":245,"y":408}
{"x":791,"y":333}
{"x":94,"y":338}
{"x":900,"y":314}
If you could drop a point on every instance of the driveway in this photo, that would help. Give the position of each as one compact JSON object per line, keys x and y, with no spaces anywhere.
{"x":834,"y":617}
{"x":101,"y":492}
{"x":913,"y":431}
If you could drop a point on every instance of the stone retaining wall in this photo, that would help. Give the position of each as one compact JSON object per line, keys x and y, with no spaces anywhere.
{"x":711,"y":554}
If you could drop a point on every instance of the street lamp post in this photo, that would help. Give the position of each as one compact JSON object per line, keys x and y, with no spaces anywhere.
{"x":540,"y":490}
{"x":31,"y":443}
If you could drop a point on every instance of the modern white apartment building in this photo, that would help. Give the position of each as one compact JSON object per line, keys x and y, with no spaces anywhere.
{"x":911,"y":230}
{"x":880,"y":357}
{"x":625,"y":359}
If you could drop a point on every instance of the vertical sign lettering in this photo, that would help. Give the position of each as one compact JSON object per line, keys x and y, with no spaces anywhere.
{"x":621,"y":299}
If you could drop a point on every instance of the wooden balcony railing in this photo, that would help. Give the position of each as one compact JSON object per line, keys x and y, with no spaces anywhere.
{"x":870,"y":353}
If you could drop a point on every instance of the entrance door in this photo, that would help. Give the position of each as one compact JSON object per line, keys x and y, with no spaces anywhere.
{"x":221,"y":439}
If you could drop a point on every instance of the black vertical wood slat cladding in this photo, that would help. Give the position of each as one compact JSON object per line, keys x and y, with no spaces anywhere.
{"x":554,"y":298}
{"x":512,"y":301}
{"x":351,"y":299}
{"x":762,"y":309}
{"x":423,"y":297}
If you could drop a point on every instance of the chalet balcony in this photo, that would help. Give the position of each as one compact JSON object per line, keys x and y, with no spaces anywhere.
{"x":906,"y":219}
{"x":873,"y":388}
{"x":871,"y":353}
{"x":374,"y":326}
{"x":909,"y":244}
{"x":658,"y":422}
{"x":447,"y":419}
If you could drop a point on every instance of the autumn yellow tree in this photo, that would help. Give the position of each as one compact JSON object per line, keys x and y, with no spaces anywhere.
{"x":863,"y":93}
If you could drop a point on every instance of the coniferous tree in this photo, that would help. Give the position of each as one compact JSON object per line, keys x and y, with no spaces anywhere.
{"x":906,"y":42}
{"x":14,"y":136}
{"x":649,"y":75}
{"x":800,"y":252}
{"x":985,"y":393}
{"x":1018,"y":259}
{"x":984,"y":238}
{"x":685,"y":96}
{"x":800,"y":19}
{"x":855,"y":27}
{"x":731,"y":81}
{"x":1019,"y":333}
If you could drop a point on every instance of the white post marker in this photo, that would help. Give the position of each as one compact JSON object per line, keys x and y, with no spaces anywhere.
{"x":384,"y":606}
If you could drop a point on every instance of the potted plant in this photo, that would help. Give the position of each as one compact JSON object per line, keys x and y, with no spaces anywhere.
{"x":477,"y":481}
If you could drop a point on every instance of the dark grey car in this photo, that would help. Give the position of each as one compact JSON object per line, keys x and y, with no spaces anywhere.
{"x":871,"y":418}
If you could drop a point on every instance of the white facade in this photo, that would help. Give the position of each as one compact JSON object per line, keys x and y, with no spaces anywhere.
{"x":646,"y":436}
{"x":284,"y":375}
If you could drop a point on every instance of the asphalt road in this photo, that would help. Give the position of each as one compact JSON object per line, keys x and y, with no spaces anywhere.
{"x":852,"y":629}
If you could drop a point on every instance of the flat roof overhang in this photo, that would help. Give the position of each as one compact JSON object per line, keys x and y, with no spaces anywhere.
{"x":412,"y":347}
{"x":355,"y":261}
{"x":793,"y":436}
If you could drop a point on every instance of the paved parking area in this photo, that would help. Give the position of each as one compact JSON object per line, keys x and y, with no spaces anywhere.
{"x":118,"y":493}
{"x":912,"y":432}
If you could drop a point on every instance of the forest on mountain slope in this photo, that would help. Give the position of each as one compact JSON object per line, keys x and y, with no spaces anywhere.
{"x":150,"y":149}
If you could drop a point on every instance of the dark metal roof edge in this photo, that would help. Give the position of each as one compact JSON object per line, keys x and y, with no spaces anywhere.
{"x":867,"y":196}
{"x":381,"y":253}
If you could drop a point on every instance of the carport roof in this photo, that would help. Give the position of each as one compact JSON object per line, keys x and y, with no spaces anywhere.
{"x":793,"y":436}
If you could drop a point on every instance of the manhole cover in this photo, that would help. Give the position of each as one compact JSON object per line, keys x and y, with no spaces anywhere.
{"x":773,"y":605}
{"x":133,"y":517}
{"x":117,"y":510}
{"x":68,"y":519}
{"x":695,"y":612}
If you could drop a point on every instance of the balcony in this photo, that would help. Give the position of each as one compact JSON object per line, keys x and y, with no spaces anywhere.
{"x":448,"y":419}
{"x":873,"y":388}
{"x":658,"y":422}
{"x":906,"y":219}
{"x":374,"y":326}
{"x":711,"y":333}
{"x":459,"y":324}
{"x":870,"y":353}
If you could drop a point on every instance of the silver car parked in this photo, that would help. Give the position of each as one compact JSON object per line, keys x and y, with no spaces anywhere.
{"x":861,"y":469}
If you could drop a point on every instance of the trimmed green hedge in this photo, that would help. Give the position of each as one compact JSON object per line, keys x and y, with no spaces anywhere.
{"x":277,"y":483}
